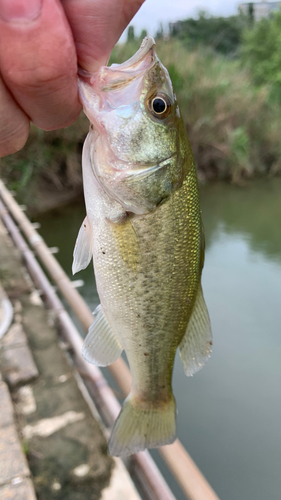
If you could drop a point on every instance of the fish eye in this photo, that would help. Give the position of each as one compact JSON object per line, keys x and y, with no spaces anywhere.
{"x":160,"y":106}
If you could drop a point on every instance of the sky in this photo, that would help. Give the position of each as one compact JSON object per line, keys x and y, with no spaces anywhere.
{"x":153,"y":12}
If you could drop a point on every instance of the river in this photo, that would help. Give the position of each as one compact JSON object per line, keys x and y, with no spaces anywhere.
{"x":229,"y":413}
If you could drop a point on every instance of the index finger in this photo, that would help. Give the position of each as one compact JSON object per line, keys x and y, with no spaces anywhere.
{"x":96,"y":26}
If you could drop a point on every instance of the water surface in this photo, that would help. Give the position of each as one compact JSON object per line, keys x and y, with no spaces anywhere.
{"x":229,"y":413}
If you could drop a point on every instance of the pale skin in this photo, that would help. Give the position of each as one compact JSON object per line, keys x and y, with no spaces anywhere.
{"x":41,"y":44}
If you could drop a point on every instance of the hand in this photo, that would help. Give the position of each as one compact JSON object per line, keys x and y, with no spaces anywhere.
{"x":41,"y":42}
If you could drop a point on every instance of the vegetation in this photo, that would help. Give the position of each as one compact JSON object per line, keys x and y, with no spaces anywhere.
{"x":48,"y":166}
{"x":231,"y":107}
{"x":222,"y":34}
{"x":130,"y":34}
{"x":261,"y":52}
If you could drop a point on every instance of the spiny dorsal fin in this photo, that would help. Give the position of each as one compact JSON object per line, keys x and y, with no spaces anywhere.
{"x":101,"y":346}
{"x":195,"y":347}
{"x":83,"y":247}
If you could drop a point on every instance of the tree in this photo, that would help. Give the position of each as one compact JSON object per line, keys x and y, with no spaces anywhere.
{"x":160,"y":32}
{"x":261,"y":51}
{"x":143,"y":34}
{"x":251,"y":12}
{"x":131,"y":34}
{"x":223,"y":34}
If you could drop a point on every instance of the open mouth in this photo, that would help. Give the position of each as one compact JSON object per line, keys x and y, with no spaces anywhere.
{"x":146,"y":46}
{"x":116,"y":76}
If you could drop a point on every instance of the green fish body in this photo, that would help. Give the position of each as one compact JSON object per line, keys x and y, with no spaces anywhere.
{"x":143,"y":228}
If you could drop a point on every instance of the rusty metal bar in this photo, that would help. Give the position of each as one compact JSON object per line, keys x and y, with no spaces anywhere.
{"x":189,"y":477}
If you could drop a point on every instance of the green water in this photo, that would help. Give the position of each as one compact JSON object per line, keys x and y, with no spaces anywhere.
{"x":229,"y":414}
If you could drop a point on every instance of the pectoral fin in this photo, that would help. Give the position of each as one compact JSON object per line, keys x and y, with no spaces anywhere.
{"x":101,"y":346}
{"x":83,"y":247}
{"x":195,"y":347}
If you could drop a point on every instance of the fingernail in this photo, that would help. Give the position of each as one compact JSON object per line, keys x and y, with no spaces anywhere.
{"x":20,"y":10}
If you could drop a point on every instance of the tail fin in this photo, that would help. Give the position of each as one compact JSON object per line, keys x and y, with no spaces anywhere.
{"x":138,"y":428}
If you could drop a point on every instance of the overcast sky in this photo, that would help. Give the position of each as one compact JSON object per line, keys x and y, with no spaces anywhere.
{"x":153,"y":12}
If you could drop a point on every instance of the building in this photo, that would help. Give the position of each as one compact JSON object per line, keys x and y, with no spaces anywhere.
{"x":259,"y":9}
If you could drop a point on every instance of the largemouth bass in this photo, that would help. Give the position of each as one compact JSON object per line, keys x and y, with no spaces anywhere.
{"x":143,"y":229}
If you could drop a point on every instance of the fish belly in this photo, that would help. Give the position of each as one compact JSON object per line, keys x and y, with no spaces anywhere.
{"x":147,"y":272}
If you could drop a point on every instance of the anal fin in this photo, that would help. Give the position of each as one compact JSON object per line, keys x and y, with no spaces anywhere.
{"x":101,"y":346}
{"x":195,"y":347}
{"x":83,"y":247}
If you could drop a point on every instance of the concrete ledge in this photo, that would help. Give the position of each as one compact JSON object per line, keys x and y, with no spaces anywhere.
{"x":14,"y":370}
{"x":12,"y":460}
{"x":18,"y":489}
{"x":15,"y":337}
{"x":6,"y":407}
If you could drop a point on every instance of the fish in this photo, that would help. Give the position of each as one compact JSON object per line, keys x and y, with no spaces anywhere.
{"x":143,"y":230}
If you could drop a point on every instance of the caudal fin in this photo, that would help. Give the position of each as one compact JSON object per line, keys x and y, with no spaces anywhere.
{"x":138,"y":428}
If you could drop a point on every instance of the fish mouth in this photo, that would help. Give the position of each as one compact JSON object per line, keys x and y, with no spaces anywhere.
{"x":147,"y":48}
{"x":114,"y":77}
{"x":105,"y":86}
{"x":120,"y":75}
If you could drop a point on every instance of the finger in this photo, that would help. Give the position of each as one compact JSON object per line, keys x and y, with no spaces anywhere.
{"x":14,"y":124}
{"x":97,"y":25}
{"x":38,"y":61}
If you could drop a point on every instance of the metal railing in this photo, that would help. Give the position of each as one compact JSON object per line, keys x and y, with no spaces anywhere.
{"x":189,"y":477}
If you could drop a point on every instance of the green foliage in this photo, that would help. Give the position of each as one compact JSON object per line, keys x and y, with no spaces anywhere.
{"x":261,"y":52}
{"x":251,"y":13}
{"x":239,"y":157}
{"x":143,"y":34}
{"x":160,"y":32}
{"x":222,"y":34}
{"x":25,"y":447}
{"x":131,"y":34}
{"x":176,"y":77}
